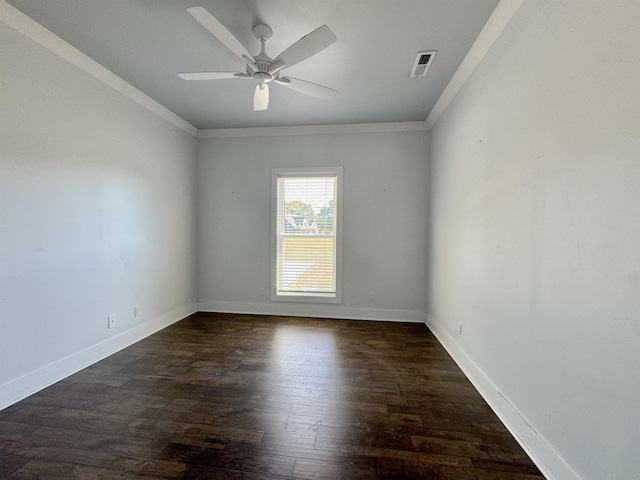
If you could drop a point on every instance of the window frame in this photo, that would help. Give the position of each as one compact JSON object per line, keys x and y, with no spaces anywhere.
{"x":302,"y":172}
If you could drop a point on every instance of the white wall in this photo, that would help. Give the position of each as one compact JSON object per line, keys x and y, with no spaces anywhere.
{"x":385,"y":221}
{"x":97,"y":199}
{"x":534,"y":243}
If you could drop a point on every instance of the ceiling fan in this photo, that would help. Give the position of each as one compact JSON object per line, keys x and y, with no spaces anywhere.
{"x":262,"y":68}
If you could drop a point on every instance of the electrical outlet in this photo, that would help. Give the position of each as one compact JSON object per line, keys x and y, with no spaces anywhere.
{"x":136,"y":312}
{"x":372,"y":296}
{"x":262,"y":292}
{"x":112,"y":321}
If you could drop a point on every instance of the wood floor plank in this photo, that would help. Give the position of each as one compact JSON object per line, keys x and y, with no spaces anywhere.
{"x":361,"y":468}
{"x":250,"y":397}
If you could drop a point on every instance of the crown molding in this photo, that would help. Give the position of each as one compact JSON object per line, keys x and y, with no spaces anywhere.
{"x":496,"y":24}
{"x":314,"y":130}
{"x":28,"y":27}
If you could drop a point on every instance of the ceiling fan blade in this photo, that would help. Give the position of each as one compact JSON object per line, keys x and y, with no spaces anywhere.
{"x":250,"y":63}
{"x":212,"y":75}
{"x":307,"y":46}
{"x":309,"y":88}
{"x":218,"y":30}
{"x":261,"y":97}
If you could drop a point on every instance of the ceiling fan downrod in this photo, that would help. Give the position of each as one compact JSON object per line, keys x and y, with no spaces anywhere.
{"x":267,"y":70}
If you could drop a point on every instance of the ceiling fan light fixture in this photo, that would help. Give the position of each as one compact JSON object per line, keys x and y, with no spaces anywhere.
{"x":261,"y":97}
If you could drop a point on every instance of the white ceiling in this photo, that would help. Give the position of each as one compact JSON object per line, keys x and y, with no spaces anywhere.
{"x":146,"y":42}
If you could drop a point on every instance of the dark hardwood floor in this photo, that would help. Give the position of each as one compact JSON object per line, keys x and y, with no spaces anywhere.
{"x":241,"y":397}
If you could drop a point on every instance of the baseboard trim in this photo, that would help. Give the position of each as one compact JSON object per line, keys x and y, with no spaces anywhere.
{"x":22,"y":387}
{"x":313,"y":310}
{"x":548,"y":460}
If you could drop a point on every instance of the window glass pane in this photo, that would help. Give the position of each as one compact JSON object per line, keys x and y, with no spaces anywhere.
{"x":306,"y":243}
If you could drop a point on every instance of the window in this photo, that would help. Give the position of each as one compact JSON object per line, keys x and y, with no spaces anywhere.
{"x":307,"y":234}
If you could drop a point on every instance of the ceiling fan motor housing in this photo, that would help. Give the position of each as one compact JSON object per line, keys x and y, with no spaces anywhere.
{"x":262,"y":77}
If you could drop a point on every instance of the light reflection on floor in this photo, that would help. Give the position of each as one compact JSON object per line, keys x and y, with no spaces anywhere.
{"x":308,"y":364}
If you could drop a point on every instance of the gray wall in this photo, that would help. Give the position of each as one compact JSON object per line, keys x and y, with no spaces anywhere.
{"x":385,"y":220}
{"x":97,"y":215}
{"x":535,"y":225}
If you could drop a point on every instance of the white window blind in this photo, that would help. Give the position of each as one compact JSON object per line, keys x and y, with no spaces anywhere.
{"x":306,"y":236}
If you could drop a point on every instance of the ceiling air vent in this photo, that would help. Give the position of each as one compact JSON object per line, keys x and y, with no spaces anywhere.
{"x":422,"y":63}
